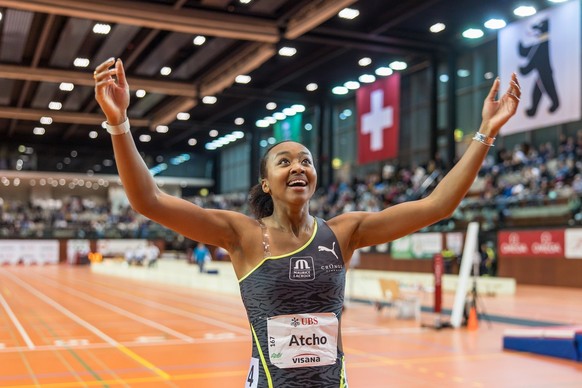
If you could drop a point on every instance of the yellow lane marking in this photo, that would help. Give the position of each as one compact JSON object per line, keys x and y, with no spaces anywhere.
{"x":144,"y":362}
{"x":137,"y":380}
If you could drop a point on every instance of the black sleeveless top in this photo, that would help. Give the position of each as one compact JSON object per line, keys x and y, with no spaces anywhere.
{"x":294,"y":305}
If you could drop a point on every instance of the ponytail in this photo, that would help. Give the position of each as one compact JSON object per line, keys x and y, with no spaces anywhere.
{"x":261,"y":203}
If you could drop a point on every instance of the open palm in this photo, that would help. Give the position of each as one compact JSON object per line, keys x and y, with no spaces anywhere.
{"x":497,"y":112}
{"x":112,"y":90}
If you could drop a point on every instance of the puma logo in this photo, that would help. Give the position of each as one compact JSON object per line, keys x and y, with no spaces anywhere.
{"x":332,"y":249}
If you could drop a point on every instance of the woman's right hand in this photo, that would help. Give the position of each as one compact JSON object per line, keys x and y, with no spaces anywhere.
{"x":112,"y":90}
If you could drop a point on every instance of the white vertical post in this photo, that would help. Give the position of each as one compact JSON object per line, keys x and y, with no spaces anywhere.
{"x":464,"y":273}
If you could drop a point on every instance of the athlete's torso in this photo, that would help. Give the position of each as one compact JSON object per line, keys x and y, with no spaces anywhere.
{"x":294,"y":304}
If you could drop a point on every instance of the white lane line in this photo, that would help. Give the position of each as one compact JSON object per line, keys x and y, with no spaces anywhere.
{"x":213,"y":306}
{"x":16,"y":323}
{"x":65,"y":311}
{"x":133,"y":344}
{"x":198,"y":317}
{"x":92,"y":328}
{"x":123,"y":312}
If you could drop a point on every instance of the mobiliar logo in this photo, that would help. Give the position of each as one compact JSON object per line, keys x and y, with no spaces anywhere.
{"x":542,"y":243}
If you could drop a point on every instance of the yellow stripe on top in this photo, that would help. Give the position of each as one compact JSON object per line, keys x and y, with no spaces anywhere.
{"x":263,"y":361}
{"x":286,"y":254}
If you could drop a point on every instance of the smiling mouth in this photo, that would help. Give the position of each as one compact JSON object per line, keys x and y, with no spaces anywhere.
{"x":297,"y":183}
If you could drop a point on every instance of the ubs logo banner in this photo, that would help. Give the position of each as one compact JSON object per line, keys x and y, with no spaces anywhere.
{"x":544,"y":51}
{"x":301,"y":269}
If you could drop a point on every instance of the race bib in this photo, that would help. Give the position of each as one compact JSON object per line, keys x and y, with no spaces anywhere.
{"x":300,"y":340}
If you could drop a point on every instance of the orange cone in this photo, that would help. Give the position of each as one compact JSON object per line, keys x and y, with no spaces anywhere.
{"x":473,"y":321}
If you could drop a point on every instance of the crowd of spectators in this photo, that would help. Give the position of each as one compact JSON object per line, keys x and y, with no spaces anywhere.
{"x":527,"y":181}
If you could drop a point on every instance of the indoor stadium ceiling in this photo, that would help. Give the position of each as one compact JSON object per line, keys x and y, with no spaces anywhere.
{"x":41,"y":40}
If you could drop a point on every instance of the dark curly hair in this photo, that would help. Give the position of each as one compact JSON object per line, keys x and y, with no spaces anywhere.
{"x":261,"y":203}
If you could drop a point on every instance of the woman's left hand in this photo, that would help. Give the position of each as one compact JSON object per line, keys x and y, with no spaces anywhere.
{"x":497,"y":112}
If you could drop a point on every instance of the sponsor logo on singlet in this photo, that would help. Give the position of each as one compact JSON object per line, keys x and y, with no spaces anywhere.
{"x":301,"y":269}
{"x":305,"y":358}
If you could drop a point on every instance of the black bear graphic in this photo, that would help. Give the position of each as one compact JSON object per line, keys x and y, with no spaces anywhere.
{"x":538,"y":58}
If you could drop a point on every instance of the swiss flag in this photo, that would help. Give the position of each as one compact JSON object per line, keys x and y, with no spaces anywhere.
{"x":378,"y":119}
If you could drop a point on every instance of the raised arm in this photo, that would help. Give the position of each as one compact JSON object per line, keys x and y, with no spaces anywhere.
{"x":215,"y":227}
{"x":364,"y":229}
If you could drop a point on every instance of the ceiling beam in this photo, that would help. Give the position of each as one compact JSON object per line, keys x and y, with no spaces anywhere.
{"x":61,"y":117}
{"x":243,"y":61}
{"x":189,"y":21}
{"x":167,"y":113}
{"x":379,"y":43}
{"x":40,"y":46}
{"x":184,"y":89}
{"x":219,"y":78}
{"x":312,"y":15}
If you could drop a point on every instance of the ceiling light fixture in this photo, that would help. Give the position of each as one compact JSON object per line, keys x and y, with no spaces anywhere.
{"x":140,"y":93}
{"x":367,"y":78}
{"x":524,"y":11}
{"x":365,"y":61}
{"x":437,"y":27}
{"x":398,"y":65}
{"x":473,"y":33}
{"x":81,"y":62}
{"x":242,"y":79}
{"x":384,"y":71}
{"x":53,"y":105}
{"x":311,"y":87}
{"x":199,"y":40}
{"x":495,"y":24}
{"x":287,"y":51}
{"x":352,"y":85}
{"x":101,"y":28}
{"x":340,"y":90}
{"x":66,"y":86}
{"x":298,"y":108}
{"x":348,"y":13}
{"x":209,"y":100}
{"x":262,"y":123}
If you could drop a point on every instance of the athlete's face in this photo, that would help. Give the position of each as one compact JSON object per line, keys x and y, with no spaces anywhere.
{"x":291,"y":175}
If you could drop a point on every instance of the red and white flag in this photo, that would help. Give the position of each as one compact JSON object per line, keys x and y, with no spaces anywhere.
{"x":378,"y":119}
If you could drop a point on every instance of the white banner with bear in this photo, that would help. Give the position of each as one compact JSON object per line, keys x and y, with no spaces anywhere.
{"x":544,"y":51}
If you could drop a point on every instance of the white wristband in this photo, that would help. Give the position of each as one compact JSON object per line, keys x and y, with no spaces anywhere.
{"x":487,"y":140}
{"x":117,"y":129}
